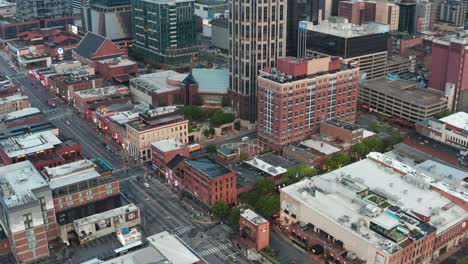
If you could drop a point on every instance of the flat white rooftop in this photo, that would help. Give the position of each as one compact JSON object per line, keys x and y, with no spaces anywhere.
{"x":266,"y":167}
{"x":342,"y":28}
{"x":172,"y":248}
{"x":253,"y":217}
{"x":30,"y":143}
{"x":20,"y":113}
{"x":13,"y":98}
{"x":104,"y":91}
{"x":105,"y":215}
{"x":168,"y":145}
{"x":459,"y":120}
{"x":118,"y":62}
{"x":71,"y":173}
{"x":320,"y":146}
{"x":159,"y":82}
{"x":18,"y":182}
{"x":124,"y":117}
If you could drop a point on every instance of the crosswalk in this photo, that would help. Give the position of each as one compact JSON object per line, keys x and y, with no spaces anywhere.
{"x":183,"y":230}
{"x":118,"y":170}
{"x":215,"y":249}
{"x":128,"y":178}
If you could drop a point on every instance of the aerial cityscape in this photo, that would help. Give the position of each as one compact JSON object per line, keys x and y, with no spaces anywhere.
{"x":234,"y":131}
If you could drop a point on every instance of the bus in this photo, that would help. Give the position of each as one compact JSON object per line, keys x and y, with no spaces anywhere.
{"x":195,"y":147}
{"x":51,"y":102}
{"x":123,"y":250}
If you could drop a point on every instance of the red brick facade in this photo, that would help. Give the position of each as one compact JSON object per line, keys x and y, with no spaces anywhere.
{"x":257,"y":234}
{"x":108,"y":70}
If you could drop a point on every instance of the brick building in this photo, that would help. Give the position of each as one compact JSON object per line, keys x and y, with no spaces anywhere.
{"x":254,"y":229}
{"x":357,"y":12}
{"x":66,"y":85}
{"x":27,"y":211}
{"x":342,"y":131}
{"x":21,"y":117}
{"x":295,"y":98}
{"x":163,"y":152}
{"x":13,"y":103}
{"x":93,"y":48}
{"x":89,"y":100}
{"x":208,"y":181}
{"x":109,"y":69}
{"x":154,"y":125}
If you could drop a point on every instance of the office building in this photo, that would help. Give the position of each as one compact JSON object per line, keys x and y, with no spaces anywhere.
{"x":210,"y":9}
{"x":450,"y":130}
{"x":452,"y":12}
{"x":408,"y":19}
{"x":378,"y":210}
{"x":423,"y":12}
{"x":164,"y":31}
{"x":296,"y":97}
{"x":220,"y":33}
{"x":357,"y":12}
{"x":450,"y":73}
{"x":154,"y":125}
{"x":7,"y":9}
{"x":34,"y":9}
{"x":366,"y":44}
{"x":300,"y":10}
{"x":401,"y":100}
{"x":387,"y":13}
{"x":208,"y":181}
{"x":256,"y":41}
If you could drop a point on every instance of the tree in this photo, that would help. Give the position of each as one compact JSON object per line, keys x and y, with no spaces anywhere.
{"x":220,"y":118}
{"x":225,"y":101}
{"x":442,"y":114}
{"x":264,"y":186}
{"x":342,"y":160}
{"x":268,"y":206}
{"x":374,"y":126}
{"x":206,"y":132}
{"x":237,"y":125}
{"x":297,"y":173}
{"x":211,"y":148}
{"x":221,"y":209}
{"x":243,"y":156}
{"x":199,"y":101}
{"x":193,"y":113}
{"x":234,"y":217}
{"x":212,"y":131}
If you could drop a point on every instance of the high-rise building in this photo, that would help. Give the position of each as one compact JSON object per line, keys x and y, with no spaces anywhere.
{"x":256,"y":40}
{"x":408,"y":19}
{"x":164,"y":31}
{"x":366,"y":44}
{"x":452,"y":12}
{"x":36,"y":9}
{"x":387,"y":13}
{"x":357,"y":12}
{"x":423,"y":12}
{"x":301,"y":10}
{"x":450,"y":72}
{"x":294,"y":98}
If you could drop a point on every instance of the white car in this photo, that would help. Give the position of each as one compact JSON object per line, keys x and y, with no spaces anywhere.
{"x":146,"y":185}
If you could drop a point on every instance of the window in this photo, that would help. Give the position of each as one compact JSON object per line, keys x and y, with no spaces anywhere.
{"x":27,"y":219}
{"x":43,"y":204}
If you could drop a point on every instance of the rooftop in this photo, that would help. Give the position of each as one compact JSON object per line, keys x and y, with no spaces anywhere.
{"x":118,"y":62}
{"x":168,"y":145}
{"x":12,"y":98}
{"x":458,"y":120}
{"x":160,"y":82}
{"x":345,"y":125}
{"x":208,"y":167}
{"x":320,"y":146}
{"x":211,"y":80}
{"x":71,"y":173}
{"x":125,"y":116}
{"x":20,"y":113}
{"x":18,"y":182}
{"x":154,"y":118}
{"x":30,"y":143}
{"x":253,"y":217}
{"x":406,"y":91}
{"x":340,"y":27}
{"x":107,"y":214}
{"x":104,"y":91}
{"x":266,"y":167}
{"x":89,"y":45}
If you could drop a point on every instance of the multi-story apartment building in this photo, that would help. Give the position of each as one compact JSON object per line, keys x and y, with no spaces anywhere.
{"x":35,"y":9}
{"x":164,"y":31}
{"x":257,"y":37}
{"x":208,"y":181}
{"x":381,"y":210}
{"x":401,"y":100}
{"x":13,"y":103}
{"x":338,"y":37}
{"x":452,"y":12}
{"x":423,"y":12}
{"x":296,"y":97}
{"x":27,"y":211}
{"x":450,"y":73}
{"x":450,"y":130}
{"x":154,"y":125}
{"x":81,"y":189}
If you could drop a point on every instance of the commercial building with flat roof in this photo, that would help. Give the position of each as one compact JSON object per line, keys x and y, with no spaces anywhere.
{"x":255,"y":230}
{"x":154,"y":125}
{"x":366,"y":44}
{"x":401,"y":100}
{"x":296,"y":97}
{"x":13,"y":103}
{"x":163,"y":152}
{"x":377,"y":209}
{"x":451,"y":130}
{"x":27,"y":211}
{"x":208,"y":181}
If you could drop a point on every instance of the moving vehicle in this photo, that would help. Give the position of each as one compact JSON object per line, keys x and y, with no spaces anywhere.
{"x":244,"y":139}
{"x":195,"y":147}
{"x":51,"y":102}
{"x":67,"y":122}
{"x":146,"y":185}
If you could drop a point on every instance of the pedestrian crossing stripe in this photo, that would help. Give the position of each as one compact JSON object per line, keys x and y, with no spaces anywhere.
{"x":128,"y":178}
{"x":214,"y":250}
{"x":182,"y":230}
{"x":118,"y":170}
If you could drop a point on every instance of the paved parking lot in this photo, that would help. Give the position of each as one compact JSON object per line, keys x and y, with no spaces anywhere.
{"x":101,"y":248}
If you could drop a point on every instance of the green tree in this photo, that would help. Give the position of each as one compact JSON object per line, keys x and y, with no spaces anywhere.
{"x":193,"y":113}
{"x":206,"y":132}
{"x":237,"y":125}
{"x":221,"y":209}
{"x":243,"y":156}
{"x":211,"y":148}
{"x":359,"y":151}
{"x":234,"y":217}
{"x":220,"y":118}
{"x":264,"y":186}
{"x":375,"y":144}
{"x":374,"y":126}
{"x":212,"y":131}
{"x":225,"y":101}
{"x":297,"y":173}
{"x":268,"y":205}
{"x":342,"y":159}
{"x":199,"y":101}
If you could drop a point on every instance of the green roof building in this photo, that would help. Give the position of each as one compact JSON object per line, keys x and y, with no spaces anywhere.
{"x":164,"y":31}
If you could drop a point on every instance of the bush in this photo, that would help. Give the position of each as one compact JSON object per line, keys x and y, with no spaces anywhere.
{"x":220,"y":118}
{"x":211,"y":148}
{"x":237,"y":125}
